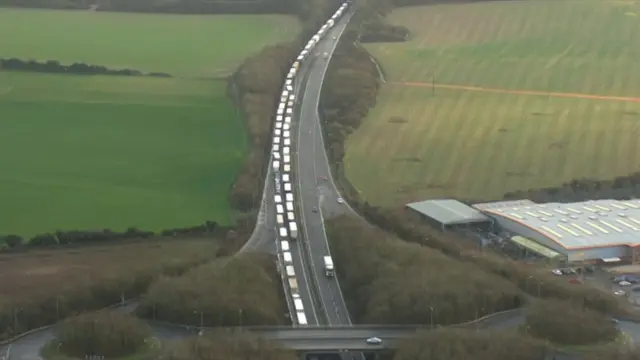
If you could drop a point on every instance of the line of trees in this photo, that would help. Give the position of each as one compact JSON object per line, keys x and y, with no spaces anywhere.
{"x":349,"y":93}
{"x":566,"y":323}
{"x":236,"y":291}
{"x":39,"y":307}
{"x":455,"y":344}
{"x":305,"y":8}
{"x":385,"y":280}
{"x":77,"y":68}
{"x":84,"y":237}
{"x":108,"y":334}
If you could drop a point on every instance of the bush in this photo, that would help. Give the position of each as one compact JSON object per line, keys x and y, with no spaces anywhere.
{"x":105,"y":333}
{"x":222,"y":346}
{"x":568,"y":323}
{"x":53,"y":66}
{"x":450,"y":344}
{"x":243,"y":290}
{"x":84,"y":237}
{"x":388,"y":281}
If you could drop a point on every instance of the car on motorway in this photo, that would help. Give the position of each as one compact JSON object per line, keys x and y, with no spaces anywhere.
{"x":324,"y":177}
{"x":315,"y":209}
{"x":374,"y":341}
{"x":340,"y":200}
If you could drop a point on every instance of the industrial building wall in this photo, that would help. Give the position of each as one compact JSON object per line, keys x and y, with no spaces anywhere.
{"x":599,"y":253}
{"x":573,"y":255}
{"x":522,"y":230}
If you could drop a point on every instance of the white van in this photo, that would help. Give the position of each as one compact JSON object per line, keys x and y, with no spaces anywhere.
{"x":288,"y":82}
{"x":276,"y":155}
{"x":286,"y":133}
{"x":275,"y":148}
{"x":297,"y":302}
{"x":287,"y":168}
{"x":280,"y":111}
{"x":287,"y":159}
{"x":289,"y":88}
{"x":277,"y":132}
{"x":287,"y":120}
{"x":286,"y":256}
{"x":284,"y":245}
{"x":288,"y":197}
{"x":276,"y":139}
{"x":289,"y":207}
{"x":292,"y":97}
{"x":286,"y":126}
{"x":286,"y":178}
{"x":291,"y":216}
{"x":289,"y":111}
{"x":278,"y":125}
{"x":277,"y":199}
{"x":280,"y":219}
{"x":283,"y":232}
{"x":285,"y":94}
{"x":287,"y":142}
{"x":290,"y":103}
{"x":287,"y":187}
{"x":276,"y":165}
{"x":279,"y":209}
{"x":286,"y":150}
{"x":279,"y":118}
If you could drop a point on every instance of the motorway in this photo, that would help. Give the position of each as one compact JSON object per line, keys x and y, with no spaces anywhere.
{"x":311,"y":164}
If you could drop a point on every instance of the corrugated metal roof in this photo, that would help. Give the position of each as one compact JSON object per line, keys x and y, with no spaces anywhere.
{"x":596,"y":223}
{"x":449,"y":212}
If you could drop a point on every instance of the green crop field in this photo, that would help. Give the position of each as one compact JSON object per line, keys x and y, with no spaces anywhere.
{"x":92,"y":152}
{"x":182,"y":45}
{"x":493,"y":97}
{"x":113,"y":152}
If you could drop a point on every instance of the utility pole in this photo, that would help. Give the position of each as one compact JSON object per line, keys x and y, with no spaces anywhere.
{"x":433,"y":84}
{"x":431,"y":317}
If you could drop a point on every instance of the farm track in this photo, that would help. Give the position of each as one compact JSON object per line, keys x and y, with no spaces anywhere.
{"x":520,"y":92}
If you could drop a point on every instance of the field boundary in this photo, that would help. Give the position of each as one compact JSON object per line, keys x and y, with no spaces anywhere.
{"x":518,"y":91}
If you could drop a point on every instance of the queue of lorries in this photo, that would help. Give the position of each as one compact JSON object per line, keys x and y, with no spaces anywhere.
{"x":287,"y":228}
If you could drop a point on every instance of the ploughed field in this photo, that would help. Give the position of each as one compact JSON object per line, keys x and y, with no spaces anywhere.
{"x":94,"y":152}
{"x":488,"y":98}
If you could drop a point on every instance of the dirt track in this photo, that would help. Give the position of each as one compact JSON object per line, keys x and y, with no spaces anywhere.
{"x":520,"y":92}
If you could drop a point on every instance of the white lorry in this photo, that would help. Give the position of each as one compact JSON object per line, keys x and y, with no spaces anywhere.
{"x":328,"y":266}
{"x":293,"y":229}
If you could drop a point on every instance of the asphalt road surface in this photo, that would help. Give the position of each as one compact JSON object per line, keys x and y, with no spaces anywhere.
{"x":311,"y":165}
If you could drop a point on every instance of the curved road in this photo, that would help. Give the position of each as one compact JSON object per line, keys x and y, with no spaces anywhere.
{"x":311,"y":164}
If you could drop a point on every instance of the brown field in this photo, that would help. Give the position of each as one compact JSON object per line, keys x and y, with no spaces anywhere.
{"x":53,"y":271}
{"x":527,"y":94}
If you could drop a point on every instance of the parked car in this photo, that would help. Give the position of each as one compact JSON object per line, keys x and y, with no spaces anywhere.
{"x":374,"y":341}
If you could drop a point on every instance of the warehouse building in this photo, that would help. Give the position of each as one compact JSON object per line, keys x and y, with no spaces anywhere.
{"x":449,"y":213}
{"x":589,"y":232}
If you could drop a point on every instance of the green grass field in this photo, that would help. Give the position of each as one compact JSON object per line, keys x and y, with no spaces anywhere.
{"x":182,"y":45}
{"x":79,"y":152}
{"x":112,"y":152}
{"x":480,"y":144}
